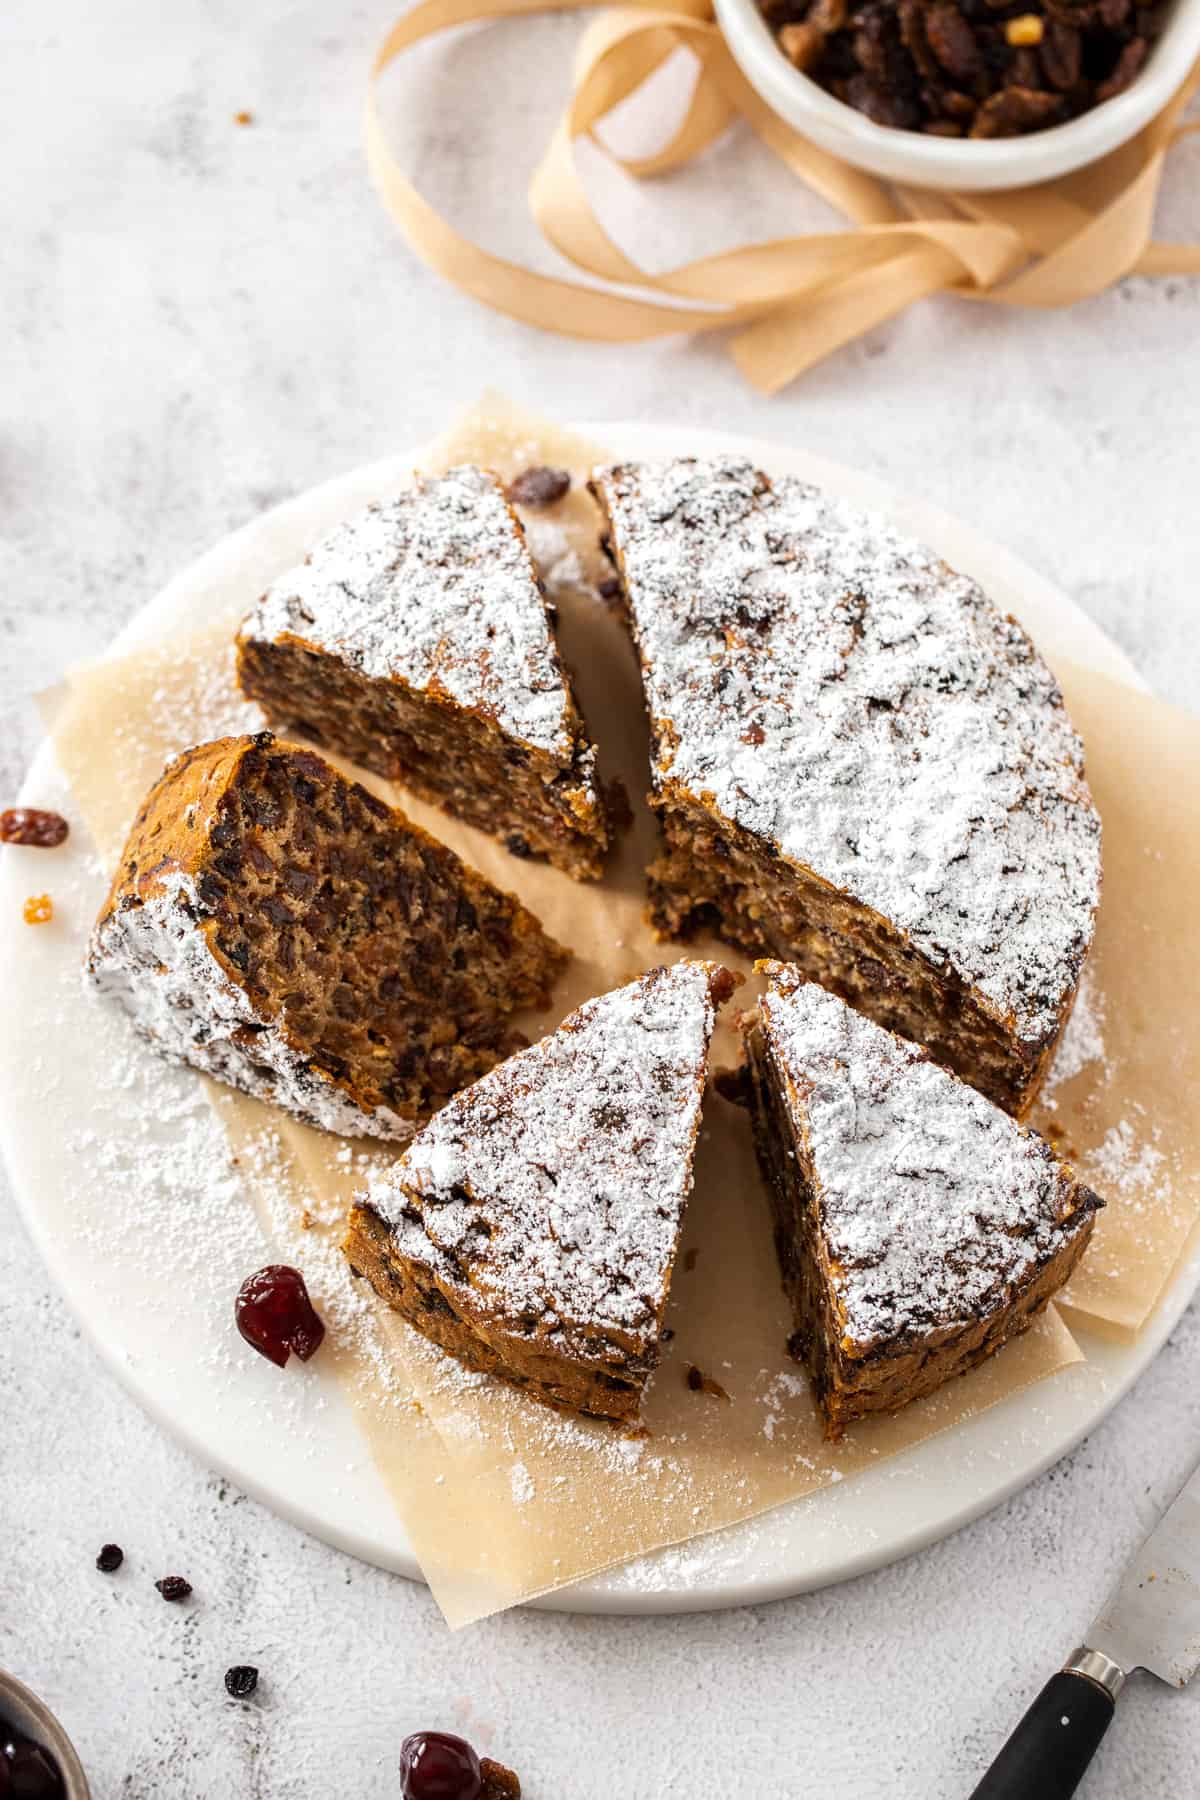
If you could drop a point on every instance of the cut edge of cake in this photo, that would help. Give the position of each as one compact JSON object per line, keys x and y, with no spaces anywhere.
{"x":416,"y":639}
{"x":164,"y":949}
{"x":918,"y":1226}
{"x":531,"y":1229}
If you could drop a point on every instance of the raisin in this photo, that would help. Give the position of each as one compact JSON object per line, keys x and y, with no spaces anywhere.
{"x":499,"y":1783}
{"x":828,"y":15}
{"x":916,"y":40}
{"x":518,"y":846}
{"x":1013,"y":110}
{"x":110,"y":1558}
{"x":609,"y":589}
{"x":30,"y":825}
{"x":174,"y":1587}
{"x":241,"y":1681}
{"x":539,"y":486}
{"x":1129,"y":65}
{"x":987,"y":68}
{"x":724,"y":985}
{"x":1061,"y":55}
{"x":801,"y":44}
{"x":874,"y":100}
{"x":953,"y":42}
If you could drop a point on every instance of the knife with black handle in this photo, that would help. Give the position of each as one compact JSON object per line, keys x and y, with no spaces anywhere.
{"x":1151,"y":1622}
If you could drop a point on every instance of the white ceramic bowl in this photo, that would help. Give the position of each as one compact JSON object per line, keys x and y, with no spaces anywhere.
{"x":962,"y":163}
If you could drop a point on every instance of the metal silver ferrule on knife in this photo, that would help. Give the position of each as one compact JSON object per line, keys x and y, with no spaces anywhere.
{"x":1097,"y":1667}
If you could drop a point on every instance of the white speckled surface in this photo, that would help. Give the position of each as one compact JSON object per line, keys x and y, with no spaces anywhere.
{"x":200,"y":320}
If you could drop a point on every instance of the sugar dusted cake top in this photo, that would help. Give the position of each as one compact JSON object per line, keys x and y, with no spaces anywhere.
{"x":832,"y":687}
{"x":555,"y":1187}
{"x":436,"y":588}
{"x":933,"y":1202}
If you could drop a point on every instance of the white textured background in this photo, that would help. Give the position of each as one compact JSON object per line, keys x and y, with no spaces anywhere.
{"x":199,"y":320}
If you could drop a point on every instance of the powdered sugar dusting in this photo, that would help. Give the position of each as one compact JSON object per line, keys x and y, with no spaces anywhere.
{"x":559,"y":1181}
{"x":435,"y":587}
{"x":522,"y":1484}
{"x":835,"y":689}
{"x":1082,"y":1043}
{"x":935,"y":1204}
{"x":1124,"y":1162}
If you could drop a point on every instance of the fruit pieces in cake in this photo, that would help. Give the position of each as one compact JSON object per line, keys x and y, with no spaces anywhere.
{"x":859,"y":763}
{"x":531,"y":1229}
{"x":416,"y":640}
{"x":918,"y":1226}
{"x":279,"y":927}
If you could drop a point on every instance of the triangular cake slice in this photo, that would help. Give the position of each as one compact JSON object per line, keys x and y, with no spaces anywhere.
{"x":416,"y":640}
{"x":859,"y":763}
{"x":531,"y":1228}
{"x":918,"y":1226}
{"x":279,"y":927}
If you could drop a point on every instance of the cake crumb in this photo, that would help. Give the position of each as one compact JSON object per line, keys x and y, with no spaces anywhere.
{"x":700,"y":1383}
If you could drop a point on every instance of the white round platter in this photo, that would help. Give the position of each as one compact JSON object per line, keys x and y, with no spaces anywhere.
{"x":305,"y":1459}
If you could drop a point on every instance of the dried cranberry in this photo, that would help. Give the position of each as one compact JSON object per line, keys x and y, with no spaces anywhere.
{"x":539,"y":486}
{"x":435,"y":1765}
{"x":27,"y":1771}
{"x":276,"y":1316}
{"x":111,"y":1557}
{"x":30,"y":825}
{"x":241,"y":1681}
{"x":174,"y":1587}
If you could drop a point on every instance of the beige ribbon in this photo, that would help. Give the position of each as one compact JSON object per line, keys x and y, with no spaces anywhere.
{"x":792,"y":300}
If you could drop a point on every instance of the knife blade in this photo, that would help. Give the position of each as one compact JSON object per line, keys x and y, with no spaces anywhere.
{"x":1150,"y":1621}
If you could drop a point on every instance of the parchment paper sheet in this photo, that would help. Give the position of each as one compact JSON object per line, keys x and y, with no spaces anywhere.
{"x":501,"y":1499}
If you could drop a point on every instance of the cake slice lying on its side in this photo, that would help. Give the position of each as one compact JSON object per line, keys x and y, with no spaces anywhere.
{"x":416,"y":639}
{"x":859,"y":763}
{"x":531,"y":1229}
{"x":279,"y":927}
{"x":918,"y":1226}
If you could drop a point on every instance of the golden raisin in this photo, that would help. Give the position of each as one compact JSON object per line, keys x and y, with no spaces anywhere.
{"x":39,"y":909}
{"x":243,"y":118}
{"x":1027,"y":29}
